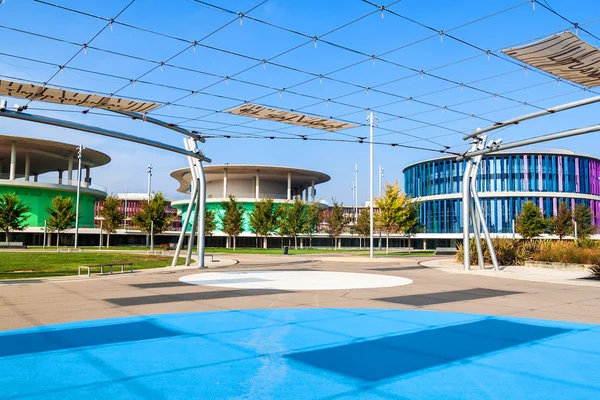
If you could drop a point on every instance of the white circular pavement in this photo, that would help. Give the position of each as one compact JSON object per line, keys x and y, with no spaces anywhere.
{"x":294,"y":280}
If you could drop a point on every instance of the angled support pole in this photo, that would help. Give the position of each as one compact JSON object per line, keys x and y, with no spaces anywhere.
{"x":478,"y":207}
{"x":192,"y":163}
{"x":477,"y":234}
{"x":98,"y":131}
{"x":154,"y":121}
{"x":202,"y":210}
{"x":466,"y":208}
{"x":186,"y":221}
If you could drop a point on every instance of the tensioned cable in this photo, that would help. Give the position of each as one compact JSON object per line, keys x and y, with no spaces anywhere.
{"x":320,"y":76}
{"x":216,"y":95}
{"x":406,"y":98}
{"x":88,"y":42}
{"x":362,"y":87}
{"x":575,"y":24}
{"x":488,"y":52}
{"x":195,"y":43}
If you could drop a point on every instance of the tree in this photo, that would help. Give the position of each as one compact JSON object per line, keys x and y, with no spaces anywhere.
{"x":263,"y":219}
{"x":392,"y":207}
{"x":562,"y":224}
{"x":61,"y":216}
{"x":583,"y":218}
{"x":531,"y":223}
{"x":232,"y":219}
{"x":363,"y":223}
{"x":209,"y":222}
{"x":313,"y":219}
{"x":336,"y":222}
{"x":296,"y":218}
{"x":411,"y":221}
{"x":152,"y":216}
{"x":281,"y":221}
{"x":13,"y":214}
{"x":112,"y":215}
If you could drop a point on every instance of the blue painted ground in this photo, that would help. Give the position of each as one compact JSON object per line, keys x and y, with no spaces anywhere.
{"x":303,"y":354}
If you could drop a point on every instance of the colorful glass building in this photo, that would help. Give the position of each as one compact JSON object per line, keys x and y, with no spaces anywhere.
{"x":506,"y":180}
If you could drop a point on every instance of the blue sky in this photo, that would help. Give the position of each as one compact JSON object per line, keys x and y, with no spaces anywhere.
{"x":492,"y":25}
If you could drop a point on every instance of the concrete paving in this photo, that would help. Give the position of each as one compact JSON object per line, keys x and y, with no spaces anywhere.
{"x":160,"y":291}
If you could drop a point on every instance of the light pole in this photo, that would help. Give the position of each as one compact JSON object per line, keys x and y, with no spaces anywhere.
{"x":149,"y":192}
{"x":45,"y":233}
{"x":380,"y":180}
{"x":125,"y":213}
{"x":354,"y":200}
{"x":79,"y":151}
{"x":371,"y":222}
{"x":356,"y":193}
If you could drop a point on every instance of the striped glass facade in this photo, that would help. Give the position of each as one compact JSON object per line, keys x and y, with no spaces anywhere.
{"x":505,"y":181}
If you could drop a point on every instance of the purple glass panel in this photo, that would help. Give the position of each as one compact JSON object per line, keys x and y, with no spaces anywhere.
{"x":560,"y":173}
{"x":555,"y":207}
{"x":540,"y":181}
{"x":525,"y":173}
{"x":577,"y":187}
{"x":541,"y":202}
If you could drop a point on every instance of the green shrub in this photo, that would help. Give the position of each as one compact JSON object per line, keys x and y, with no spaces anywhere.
{"x":586,"y":243}
{"x":473,"y":252}
{"x":508,"y":252}
{"x":595,"y":268}
{"x":531,"y":247}
{"x":565,"y":252}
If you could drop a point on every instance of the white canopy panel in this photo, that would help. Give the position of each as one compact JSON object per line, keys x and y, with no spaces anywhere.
{"x":564,"y":55}
{"x":288,"y":117}
{"x":34,"y":92}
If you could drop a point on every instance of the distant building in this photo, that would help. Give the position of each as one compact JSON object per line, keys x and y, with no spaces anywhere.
{"x":25,"y":168}
{"x":130,"y":205}
{"x":249,"y":184}
{"x":505,"y":181}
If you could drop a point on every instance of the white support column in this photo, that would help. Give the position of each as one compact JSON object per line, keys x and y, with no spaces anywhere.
{"x":13,"y":161}
{"x":312,"y":191}
{"x":27,"y":166}
{"x":60,"y":177}
{"x":225,"y":183}
{"x":289,"y":188}
{"x":87,"y":176}
{"x":70,"y":170}
{"x":257,"y":184}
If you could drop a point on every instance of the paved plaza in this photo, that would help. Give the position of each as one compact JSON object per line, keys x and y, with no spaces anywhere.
{"x":289,"y":327}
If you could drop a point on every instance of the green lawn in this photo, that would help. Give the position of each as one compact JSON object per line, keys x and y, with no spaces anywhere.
{"x":354,"y":252}
{"x":253,"y":250}
{"x":22,"y":264}
{"x":414,"y":253}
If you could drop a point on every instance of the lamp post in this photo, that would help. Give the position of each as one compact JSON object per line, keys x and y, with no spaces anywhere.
{"x":149,"y":192}
{"x":125,"y":213}
{"x":79,"y":151}
{"x":380,"y":180}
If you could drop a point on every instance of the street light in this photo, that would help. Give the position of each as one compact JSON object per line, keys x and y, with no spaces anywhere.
{"x":149,"y":188}
{"x":79,"y":154}
{"x":380,"y":180}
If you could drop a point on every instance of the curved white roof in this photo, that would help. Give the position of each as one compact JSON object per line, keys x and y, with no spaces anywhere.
{"x":301,"y":178}
{"x":45,"y":155}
